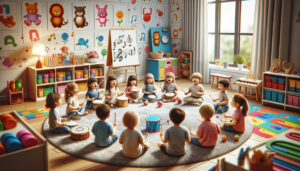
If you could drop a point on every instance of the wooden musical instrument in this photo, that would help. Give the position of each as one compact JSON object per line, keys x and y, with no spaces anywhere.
{"x":248,"y":83}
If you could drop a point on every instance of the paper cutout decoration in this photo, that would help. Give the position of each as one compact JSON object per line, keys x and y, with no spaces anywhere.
{"x":32,"y":35}
{"x":176,"y":16}
{"x":101,"y":38}
{"x":83,"y":40}
{"x":160,"y":1}
{"x":10,"y":61}
{"x":177,"y":5}
{"x":55,"y":40}
{"x":58,"y":16}
{"x":10,"y":41}
{"x":120,"y":15}
{"x":160,"y":12}
{"x":176,"y":32}
{"x":103,"y":16}
{"x":82,"y":16}
{"x":147,"y":1}
{"x":133,"y":2}
{"x":8,"y":16}
{"x":31,"y":14}
{"x":133,"y":17}
{"x":142,"y":36}
{"x":175,"y":47}
{"x":147,"y":14}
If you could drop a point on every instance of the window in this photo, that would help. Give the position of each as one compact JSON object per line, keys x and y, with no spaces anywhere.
{"x":230,"y":29}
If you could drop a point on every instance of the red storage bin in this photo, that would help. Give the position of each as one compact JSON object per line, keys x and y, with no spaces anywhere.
{"x":281,"y":86}
{"x":290,"y":100}
{"x":295,"y":101}
{"x":274,"y":85}
{"x":267,"y":78}
{"x":268,"y":84}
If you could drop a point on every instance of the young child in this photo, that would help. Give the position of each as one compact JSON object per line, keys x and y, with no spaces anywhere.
{"x":173,"y":143}
{"x":132,"y":140}
{"x":53,"y":101}
{"x":132,"y":85}
{"x":149,"y":88}
{"x":237,"y":124}
{"x":170,"y":87}
{"x":73,"y":106}
{"x":222,"y":106}
{"x":207,"y":133}
{"x":103,"y":130}
{"x":112,"y":91}
{"x":92,"y":93}
{"x":196,"y":90}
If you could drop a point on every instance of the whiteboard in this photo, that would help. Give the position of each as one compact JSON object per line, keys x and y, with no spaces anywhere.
{"x":124,"y":47}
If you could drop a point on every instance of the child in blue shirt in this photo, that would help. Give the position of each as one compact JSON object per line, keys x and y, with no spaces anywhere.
{"x":149,"y":88}
{"x":103,"y":130}
{"x":92,"y":93}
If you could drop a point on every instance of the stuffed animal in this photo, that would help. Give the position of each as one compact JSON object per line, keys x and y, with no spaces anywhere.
{"x":275,"y":67}
{"x":287,"y":67}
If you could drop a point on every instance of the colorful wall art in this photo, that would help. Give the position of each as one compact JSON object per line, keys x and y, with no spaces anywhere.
{"x":8,"y":16}
{"x":103,"y":16}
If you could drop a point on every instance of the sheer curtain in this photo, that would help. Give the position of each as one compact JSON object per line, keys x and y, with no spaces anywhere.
{"x":271,"y":34}
{"x":195,"y":35}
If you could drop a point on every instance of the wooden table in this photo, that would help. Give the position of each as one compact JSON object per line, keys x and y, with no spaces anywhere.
{"x":213,"y":75}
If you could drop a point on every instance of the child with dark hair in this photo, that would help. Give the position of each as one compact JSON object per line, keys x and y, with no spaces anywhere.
{"x":237,"y":124}
{"x":207,"y":133}
{"x":222,"y":105}
{"x":173,"y":143}
{"x":92,"y":93}
{"x":73,"y":105}
{"x":112,"y":91}
{"x":132,"y":92}
{"x":56,"y":126}
{"x":149,"y":88}
{"x":103,"y":130}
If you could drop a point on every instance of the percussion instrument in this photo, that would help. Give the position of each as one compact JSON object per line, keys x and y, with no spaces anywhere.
{"x":134,"y":92}
{"x":8,"y":121}
{"x":71,"y":123}
{"x":80,"y":132}
{"x":27,"y":139}
{"x":122,"y":101}
{"x":153,"y":124}
{"x":151,"y":98}
{"x":96,"y":103}
{"x":11,"y":142}
{"x":169,"y":95}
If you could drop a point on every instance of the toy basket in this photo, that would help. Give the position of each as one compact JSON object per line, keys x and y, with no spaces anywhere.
{"x":156,"y":55}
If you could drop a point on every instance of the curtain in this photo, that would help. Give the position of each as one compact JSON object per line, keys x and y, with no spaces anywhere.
{"x":271,"y":34}
{"x":195,"y":35}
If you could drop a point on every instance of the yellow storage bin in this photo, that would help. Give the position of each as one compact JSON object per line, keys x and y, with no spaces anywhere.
{"x":40,"y":92}
{"x":162,"y":73}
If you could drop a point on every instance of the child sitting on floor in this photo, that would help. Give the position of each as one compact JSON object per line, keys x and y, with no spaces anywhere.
{"x":222,"y":106}
{"x":207,"y":133}
{"x":73,"y":106}
{"x":132,"y":92}
{"x":103,"y":130}
{"x":196,"y":90}
{"x":173,"y":143}
{"x":169,"y":87}
{"x":149,"y":88}
{"x":132,"y":140}
{"x":53,"y":101}
{"x":112,"y":91}
{"x":237,"y":124}
{"x":92,"y":93}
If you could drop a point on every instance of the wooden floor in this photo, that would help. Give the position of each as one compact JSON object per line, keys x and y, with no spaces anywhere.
{"x":59,"y":160}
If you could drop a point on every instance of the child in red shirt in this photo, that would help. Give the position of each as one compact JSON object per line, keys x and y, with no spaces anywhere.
{"x":207,"y":133}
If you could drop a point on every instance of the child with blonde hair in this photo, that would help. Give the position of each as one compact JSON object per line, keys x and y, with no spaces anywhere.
{"x":149,"y":88}
{"x":237,"y":124}
{"x":196,"y":90}
{"x":170,"y":87}
{"x":53,"y":101}
{"x":208,"y":130}
{"x":173,"y":142}
{"x":132,"y":140}
{"x":73,"y":105}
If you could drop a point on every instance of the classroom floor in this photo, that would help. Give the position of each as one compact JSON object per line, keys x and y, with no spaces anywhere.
{"x":58,"y":160}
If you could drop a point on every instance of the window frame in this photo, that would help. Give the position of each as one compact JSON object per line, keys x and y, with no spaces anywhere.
{"x":237,"y":31}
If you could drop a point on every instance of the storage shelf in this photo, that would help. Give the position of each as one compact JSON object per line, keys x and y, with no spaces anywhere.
{"x":292,"y":106}
{"x":272,"y":89}
{"x":269,"y":101}
{"x":293,"y":93}
{"x":99,"y":77}
{"x":45,"y":84}
{"x":81,"y":79}
{"x":67,"y":81}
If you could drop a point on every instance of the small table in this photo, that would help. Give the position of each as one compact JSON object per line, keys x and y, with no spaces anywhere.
{"x":213,"y":75}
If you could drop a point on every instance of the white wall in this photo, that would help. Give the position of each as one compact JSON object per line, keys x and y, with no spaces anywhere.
{"x":294,"y":50}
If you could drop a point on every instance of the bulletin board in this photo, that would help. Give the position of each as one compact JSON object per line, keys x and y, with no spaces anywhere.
{"x":160,"y":39}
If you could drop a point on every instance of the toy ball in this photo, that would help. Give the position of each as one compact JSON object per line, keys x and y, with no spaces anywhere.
{"x":159,"y":104}
{"x":12,"y":86}
{"x":179,"y":100}
{"x":224,"y":138}
{"x":217,"y":117}
{"x":236,"y":138}
{"x":18,"y":84}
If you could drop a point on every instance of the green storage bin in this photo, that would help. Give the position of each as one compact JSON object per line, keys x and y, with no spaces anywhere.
{"x":175,"y":62}
{"x":161,"y":64}
{"x":47,"y":90}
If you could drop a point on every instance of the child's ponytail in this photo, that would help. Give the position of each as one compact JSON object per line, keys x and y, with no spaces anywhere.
{"x":70,"y":87}
{"x":243,"y":102}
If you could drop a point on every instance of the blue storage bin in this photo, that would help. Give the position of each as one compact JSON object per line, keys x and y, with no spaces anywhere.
{"x":274,"y":79}
{"x":280,"y":97}
{"x":11,"y":142}
{"x":281,"y":80}
{"x":267,"y":94}
{"x":298,"y":90}
{"x":293,"y":89}
{"x":274,"y":96}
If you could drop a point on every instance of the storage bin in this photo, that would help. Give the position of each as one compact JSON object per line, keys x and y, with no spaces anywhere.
{"x":298,"y":86}
{"x":274,"y":96}
{"x":274,"y":85}
{"x":280,"y":97}
{"x":267,"y":78}
{"x":280,"y":86}
{"x":168,"y":63}
{"x":11,"y":142}
{"x":51,"y":74}
{"x":281,"y":80}
{"x":298,"y":101}
{"x":267,"y":94}
{"x":292,"y":85}
{"x":51,"y":80}
{"x":295,"y":100}
{"x":61,"y":89}
{"x":27,"y":139}
{"x":40,"y":92}
{"x":268,"y":84}
{"x":274,"y":79}
{"x":289,"y":99}
{"x":47,"y":90}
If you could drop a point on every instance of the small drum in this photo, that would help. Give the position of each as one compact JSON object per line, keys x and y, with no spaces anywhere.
{"x":96,"y":103}
{"x":151,"y":98}
{"x":80,"y":132}
{"x":122,"y":101}
{"x":134,"y":92}
{"x":169,"y":95}
{"x":153,"y":124}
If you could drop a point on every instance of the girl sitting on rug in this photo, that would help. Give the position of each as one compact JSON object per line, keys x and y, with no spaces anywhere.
{"x":132,"y":140}
{"x":170,"y":87}
{"x":237,"y":124}
{"x":92,"y":93}
{"x":73,"y":106}
{"x":132,"y":92}
{"x":149,"y":88}
{"x":112,"y":91}
{"x":208,"y":130}
{"x":103,"y":130}
{"x":53,"y":101}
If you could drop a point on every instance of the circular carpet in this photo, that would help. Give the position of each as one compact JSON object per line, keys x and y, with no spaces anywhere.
{"x":86,"y":149}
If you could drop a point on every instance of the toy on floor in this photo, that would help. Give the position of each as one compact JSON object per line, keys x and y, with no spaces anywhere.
{"x":112,"y":91}
{"x":153,"y":124}
{"x":132,"y":92}
{"x":159,"y":104}
{"x":236,"y":138}
{"x":224,"y":138}
{"x":260,"y":161}
{"x":179,"y":101}
{"x":293,"y":135}
{"x":80,"y":132}
{"x":122,"y":101}
{"x":7,"y":121}
{"x":10,"y":142}
{"x":170,"y":88}
{"x":92,"y":93}
{"x":196,"y":90}
{"x":242,"y":155}
{"x":27,"y":139}
{"x":132,"y":140}
{"x":149,"y":89}
{"x":222,"y":105}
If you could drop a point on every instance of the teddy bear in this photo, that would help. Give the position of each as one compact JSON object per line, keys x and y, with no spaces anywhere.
{"x":32,"y":15}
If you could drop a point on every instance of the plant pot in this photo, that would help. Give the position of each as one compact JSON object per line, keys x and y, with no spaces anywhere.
{"x":225,"y":64}
{"x":92,"y":60}
{"x":240,"y":67}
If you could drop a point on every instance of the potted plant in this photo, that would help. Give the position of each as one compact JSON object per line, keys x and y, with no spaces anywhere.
{"x":92,"y":56}
{"x":240,"y":60}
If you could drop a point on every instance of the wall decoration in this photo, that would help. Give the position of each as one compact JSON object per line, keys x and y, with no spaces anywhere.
{"x":133,"y":17}
{"x":101,"y":38}
{"x":10,"y":61}
{"x":58,"y":16}
{"x":132,"y":2}
{"x":160,"y":39}
{"x":176,"y":47}
{"x":176,"y":5}
{"x":10,"y":41}
{"x":81,"y":16}
{"x":160,"y":1}
{"x":147,"y":1}
{"x":8,"y":16}
{"x":146,"y":50}
{"x":176,"y":32}
{"x":33,"y":35}
{"x":83,"y":40}
{"x":160,"y":12}
{"x":120,"y":15}
{"x":176,"y":16}
{"x":147,"y":14}
{"x":142,"y":36}
{"x":126,"y":1}
{"x":31,"y":14}
{"x":103,"y":16}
